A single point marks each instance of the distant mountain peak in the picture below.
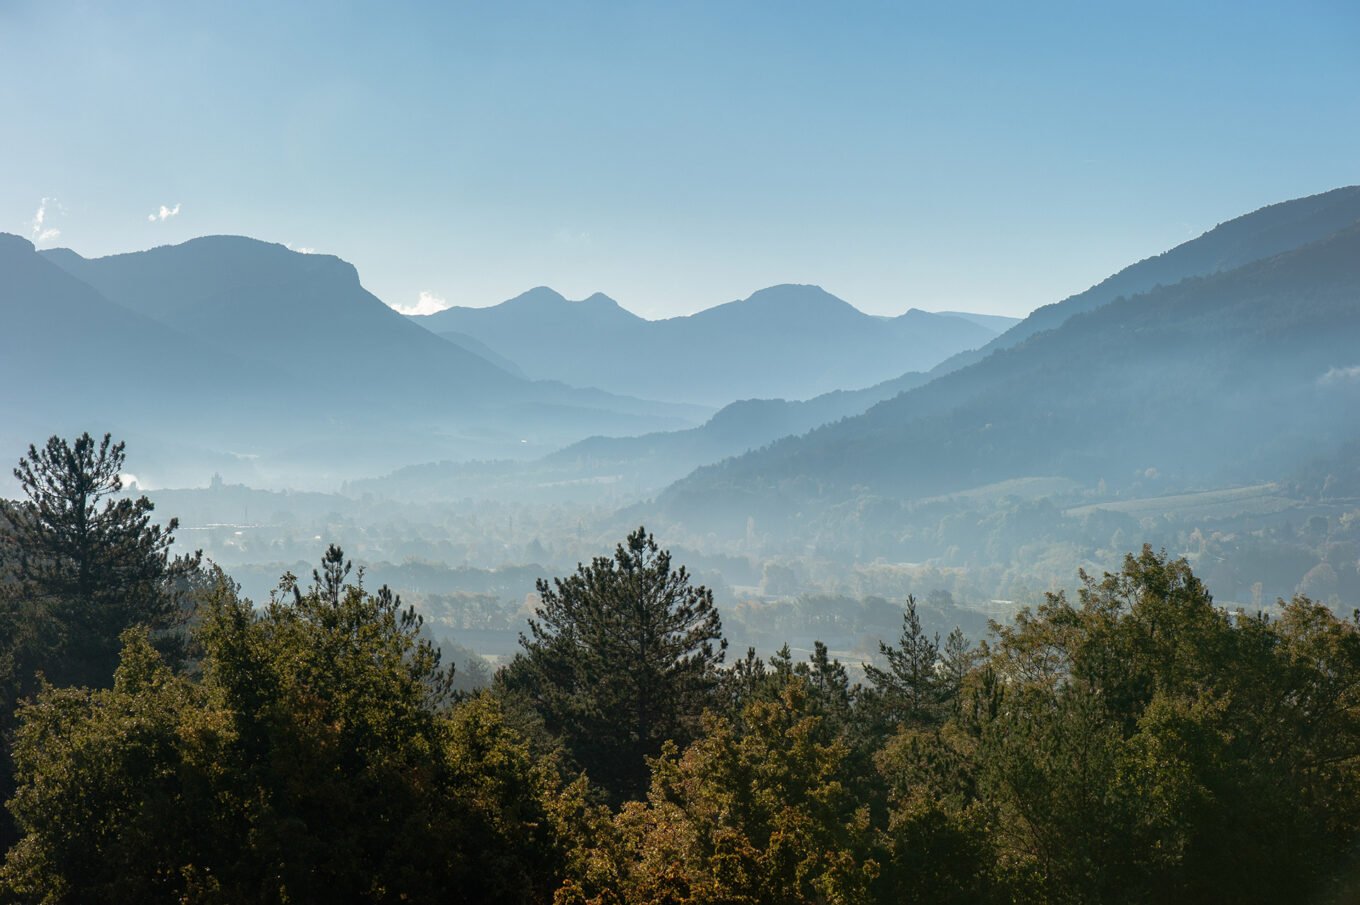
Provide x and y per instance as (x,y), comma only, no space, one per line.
(13,244)
(539,295)
(800,298)
(600,300)
(235,260)
(784,292)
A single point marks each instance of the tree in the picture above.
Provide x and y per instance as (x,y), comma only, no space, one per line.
(760,812)
(911,690)
(91,563)
(621,657)
(314,758)
(1146,745)
(77,567)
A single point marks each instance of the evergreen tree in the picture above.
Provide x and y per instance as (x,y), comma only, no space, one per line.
(911,689)
(77,567)
(313,759)
(94,564)
(620,658)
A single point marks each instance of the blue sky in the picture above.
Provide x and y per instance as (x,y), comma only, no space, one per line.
(991,157)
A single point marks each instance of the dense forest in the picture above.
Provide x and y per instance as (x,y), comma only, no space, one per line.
(167,740)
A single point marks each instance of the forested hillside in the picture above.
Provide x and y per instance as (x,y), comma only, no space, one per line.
(1272,230)
(1232,378)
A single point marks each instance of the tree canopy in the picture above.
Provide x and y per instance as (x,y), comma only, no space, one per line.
(1133,743)
(621,657)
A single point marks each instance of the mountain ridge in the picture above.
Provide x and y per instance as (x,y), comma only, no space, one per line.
(1235,359)
(789,341)
(1268,230)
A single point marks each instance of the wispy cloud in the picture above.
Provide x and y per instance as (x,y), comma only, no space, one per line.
(574,238)
(427,303)
(40,230)
(300,249)
(1340,375)
(165,213)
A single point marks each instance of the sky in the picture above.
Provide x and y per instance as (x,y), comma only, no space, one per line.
(676,155)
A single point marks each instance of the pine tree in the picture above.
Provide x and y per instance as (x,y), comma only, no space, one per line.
(621,657)
(92,563)
(909,690)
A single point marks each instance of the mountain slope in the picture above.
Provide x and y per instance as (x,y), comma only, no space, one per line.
(341,384)
(621,470)
(998,323)
(782,342)
(482,350)
(73,360)
(309,315)
(303,313)
(1261,234)
(1234,376)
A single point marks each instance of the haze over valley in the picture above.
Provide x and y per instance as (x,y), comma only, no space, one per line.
(1220,370)
(634,454)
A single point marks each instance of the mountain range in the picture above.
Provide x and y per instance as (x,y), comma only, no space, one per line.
(786,341)
(1017,409)
(1235,374)
(265,364)
(229,354)
(1251,237)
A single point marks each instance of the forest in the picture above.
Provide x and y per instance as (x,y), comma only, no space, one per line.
(165,739)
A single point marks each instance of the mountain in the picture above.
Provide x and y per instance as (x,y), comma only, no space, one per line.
(997,323)
(1269,231)
(340,383)
(482,350)
(1234,377)
(302,313)
(621,470)
(784,342)
(73,360)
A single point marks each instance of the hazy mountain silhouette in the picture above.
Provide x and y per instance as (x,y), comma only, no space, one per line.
(72,360)
(1237,376)
(338,380)
(482,350)
(998,323)
(1260,234)
(786,341)
(623,469)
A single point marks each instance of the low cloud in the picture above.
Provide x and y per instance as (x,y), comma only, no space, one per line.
(427,303)
(300,249)
(165,213)
(39,229)
(1336,376)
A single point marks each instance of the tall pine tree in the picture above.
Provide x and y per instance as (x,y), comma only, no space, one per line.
(88,562)
(621,656)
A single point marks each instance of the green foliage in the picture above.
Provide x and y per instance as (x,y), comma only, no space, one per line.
(1136,744)
(911,690)
(753,815)
(94,563)
(78,567)
(313,760)
(621,658)
(1147,746)
(938,836)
